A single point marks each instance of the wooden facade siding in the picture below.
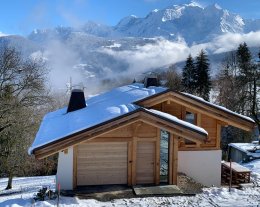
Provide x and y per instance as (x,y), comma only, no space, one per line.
(75,166)
(210,125)
(172,108)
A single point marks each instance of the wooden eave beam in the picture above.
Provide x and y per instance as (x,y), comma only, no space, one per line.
(195,105)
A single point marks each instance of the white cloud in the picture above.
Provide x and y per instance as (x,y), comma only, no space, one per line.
(164,52)
(231,41)
(3,34)
(141,58)
(62,60)
(150,56)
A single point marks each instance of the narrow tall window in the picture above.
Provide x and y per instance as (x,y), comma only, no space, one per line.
(164,156)
(191,118)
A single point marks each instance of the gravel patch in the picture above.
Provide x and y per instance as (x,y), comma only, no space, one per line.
(188,185)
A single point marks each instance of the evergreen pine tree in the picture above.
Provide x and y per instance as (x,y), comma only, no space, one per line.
(189,76)
(244,58)
(249,76)
(203,83)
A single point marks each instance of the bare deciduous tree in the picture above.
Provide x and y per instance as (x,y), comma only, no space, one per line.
(22,90)
(172,78)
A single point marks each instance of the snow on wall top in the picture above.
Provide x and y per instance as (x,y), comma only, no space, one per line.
(219,107)
(58,124)
(247,148)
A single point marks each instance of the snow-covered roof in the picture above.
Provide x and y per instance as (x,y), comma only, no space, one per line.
(58,124)
(251,149)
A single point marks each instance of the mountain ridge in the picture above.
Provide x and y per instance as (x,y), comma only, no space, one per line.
(136,45)
(190,21)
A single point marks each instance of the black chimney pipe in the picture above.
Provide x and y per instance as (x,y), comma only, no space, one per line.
(150,81)
(77,100)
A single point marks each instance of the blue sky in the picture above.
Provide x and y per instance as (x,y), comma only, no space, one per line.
(22,16)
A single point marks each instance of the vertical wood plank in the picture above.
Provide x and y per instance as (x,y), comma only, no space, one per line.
(218,136)
(75,153)
(145,162)
(129,160)
(183,112)
(170,161)
(157,157)
(175,161)
(163,107)
(134,151)
(198,121)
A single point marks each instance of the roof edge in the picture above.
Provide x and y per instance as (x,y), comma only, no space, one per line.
(82,131)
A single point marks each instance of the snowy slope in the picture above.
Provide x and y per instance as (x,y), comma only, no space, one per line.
(27,187)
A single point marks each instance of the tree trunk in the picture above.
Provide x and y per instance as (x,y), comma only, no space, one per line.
(10,181)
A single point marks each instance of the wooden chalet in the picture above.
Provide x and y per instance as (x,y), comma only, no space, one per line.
(125,147)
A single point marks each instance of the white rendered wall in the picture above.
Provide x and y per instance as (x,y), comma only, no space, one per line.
(64,175)
(203,166)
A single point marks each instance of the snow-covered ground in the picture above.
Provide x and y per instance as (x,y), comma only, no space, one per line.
(25,188)
(254,166)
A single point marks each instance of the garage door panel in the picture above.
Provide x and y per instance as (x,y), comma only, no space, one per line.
(101,152)
(103,159)
(102,163)
(104,167)
(102,178)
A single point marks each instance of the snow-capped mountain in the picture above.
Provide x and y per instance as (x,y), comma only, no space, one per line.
(192,22)
(138,44)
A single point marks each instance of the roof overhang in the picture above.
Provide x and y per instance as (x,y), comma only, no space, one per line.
(138,115)
(204,107)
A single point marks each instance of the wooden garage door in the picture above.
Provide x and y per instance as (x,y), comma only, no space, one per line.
(145,162)
(102,163)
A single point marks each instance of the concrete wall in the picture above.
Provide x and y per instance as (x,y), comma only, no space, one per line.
(64,174)
(203,166)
